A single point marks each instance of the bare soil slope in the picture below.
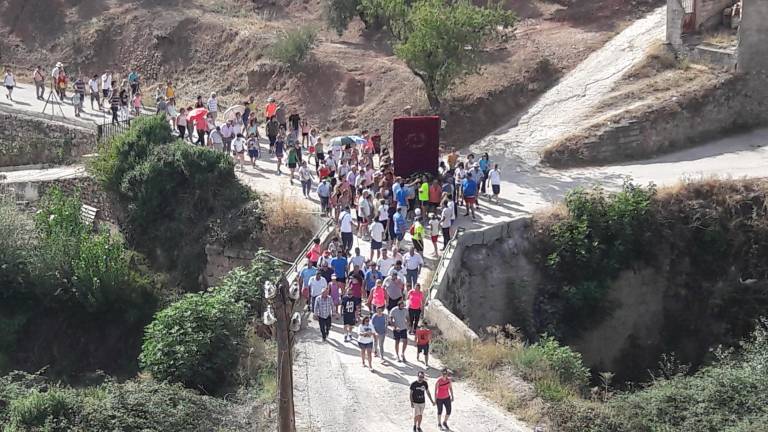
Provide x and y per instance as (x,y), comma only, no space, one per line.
(353,81)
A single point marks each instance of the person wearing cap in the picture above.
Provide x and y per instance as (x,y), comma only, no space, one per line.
(417,233)
(213,106)
(444,396)
(417,390)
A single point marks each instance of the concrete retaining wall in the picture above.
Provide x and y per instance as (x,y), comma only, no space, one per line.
(753,36)
(733,104)
(709,13)
(30,140)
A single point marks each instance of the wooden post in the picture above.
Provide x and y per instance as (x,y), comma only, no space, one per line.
(283,306)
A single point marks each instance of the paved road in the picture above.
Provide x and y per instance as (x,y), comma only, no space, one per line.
(24,99)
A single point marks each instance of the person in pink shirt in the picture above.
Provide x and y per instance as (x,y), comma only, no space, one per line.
(335,289)
(415,306)
(314,253)
(378,297)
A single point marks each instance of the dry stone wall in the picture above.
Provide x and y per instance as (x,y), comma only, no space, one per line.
(29,140)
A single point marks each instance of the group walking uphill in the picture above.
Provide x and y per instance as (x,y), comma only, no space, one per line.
(366,279)
(123,101)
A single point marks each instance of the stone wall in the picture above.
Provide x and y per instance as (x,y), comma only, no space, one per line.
(675,15)
(709,13)
(753,36)
(733,104)
(31,140)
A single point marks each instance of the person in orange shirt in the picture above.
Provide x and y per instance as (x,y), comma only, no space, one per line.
(423,336)
(271,109)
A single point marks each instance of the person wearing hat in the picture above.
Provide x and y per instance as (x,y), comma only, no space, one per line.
(213,106)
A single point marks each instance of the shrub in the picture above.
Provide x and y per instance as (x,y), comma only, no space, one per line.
(293,47)
(565,362)
(51,410)
(339,13)
(125,151)
(246,284)
(195,341)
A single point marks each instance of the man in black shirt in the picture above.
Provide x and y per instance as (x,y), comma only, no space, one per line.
(294,120)
(348,313)
(418,388)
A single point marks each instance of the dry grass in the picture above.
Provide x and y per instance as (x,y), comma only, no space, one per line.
(287,215)
(658,58)
(721,38)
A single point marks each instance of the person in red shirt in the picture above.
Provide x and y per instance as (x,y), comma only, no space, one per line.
(423,336)
(444,396)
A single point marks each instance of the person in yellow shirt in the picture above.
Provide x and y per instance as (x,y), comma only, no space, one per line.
(424,195)
(417,234)
(170,92)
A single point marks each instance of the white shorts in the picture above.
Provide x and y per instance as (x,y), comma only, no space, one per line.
(418,409)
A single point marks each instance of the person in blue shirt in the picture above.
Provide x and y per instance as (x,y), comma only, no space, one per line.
(306,274)
(400,225)
(469,190)
(401,195)
(485,168)
(371,276)
(339,266)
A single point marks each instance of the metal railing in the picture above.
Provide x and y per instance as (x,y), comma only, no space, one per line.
(445,259)
(325,230)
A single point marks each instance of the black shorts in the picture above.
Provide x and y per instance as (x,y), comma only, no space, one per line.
(444,403)
(496,189)
(400,334)
(320,156)
(349,318)
(422,349)
(368,345)
(392,303)
(291,165)
(9,87)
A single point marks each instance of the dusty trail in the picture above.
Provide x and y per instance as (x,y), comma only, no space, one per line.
(566,104)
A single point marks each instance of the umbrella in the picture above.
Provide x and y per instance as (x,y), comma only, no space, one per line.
(345,141)
(229,114)
(197,114)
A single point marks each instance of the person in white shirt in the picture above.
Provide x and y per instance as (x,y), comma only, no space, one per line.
(228,134)
(357,260)
(384,216)
(446,219)
(365,340)
(495,177)
(305,177)
(9,82)
(317,284)
(363,213)
(238,150)
(213,106)
(412,262)
(345,227)
(377,238)
(434,230)
(385,263)
(106,85)
(93,88)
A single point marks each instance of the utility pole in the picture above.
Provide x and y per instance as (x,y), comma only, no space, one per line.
(282,300)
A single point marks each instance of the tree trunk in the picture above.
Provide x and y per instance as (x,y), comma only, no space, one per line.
(283,310)
(434,101)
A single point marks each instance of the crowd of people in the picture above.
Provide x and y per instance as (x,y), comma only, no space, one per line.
(372,295)
(105,95)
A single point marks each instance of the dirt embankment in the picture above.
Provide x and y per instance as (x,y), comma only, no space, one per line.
(353,81)
(699,284)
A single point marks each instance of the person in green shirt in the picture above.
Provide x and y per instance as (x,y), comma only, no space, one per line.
(293,160)
(424,195)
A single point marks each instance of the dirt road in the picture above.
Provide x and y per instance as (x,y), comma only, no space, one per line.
(566,104)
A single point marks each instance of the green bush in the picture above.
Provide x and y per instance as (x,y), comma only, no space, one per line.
(565,362)
(28,403)
(339,13)
(195,341)
(729,395)
(293,47)
(125,151)
(246,284)
(601,235)
(52,410)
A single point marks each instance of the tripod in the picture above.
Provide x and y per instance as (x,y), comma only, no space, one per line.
(53,100)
